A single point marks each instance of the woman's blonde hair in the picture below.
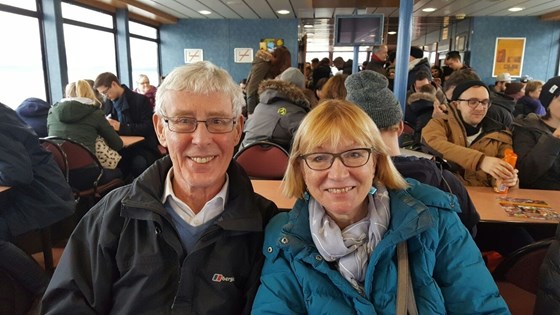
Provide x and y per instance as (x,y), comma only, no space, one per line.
(82,88)
(330,122)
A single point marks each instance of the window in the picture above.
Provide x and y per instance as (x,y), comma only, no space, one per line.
(144,52)
(89,41)
(21,64)
(22,4)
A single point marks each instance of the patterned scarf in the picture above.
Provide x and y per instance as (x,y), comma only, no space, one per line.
(351,247)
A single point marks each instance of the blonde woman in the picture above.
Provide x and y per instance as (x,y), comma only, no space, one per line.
(79,117)
(336,251)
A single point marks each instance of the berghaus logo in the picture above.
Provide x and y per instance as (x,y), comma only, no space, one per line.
(221,278)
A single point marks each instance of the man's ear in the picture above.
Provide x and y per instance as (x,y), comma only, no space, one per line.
(159,127)
(400,128)
(239,126)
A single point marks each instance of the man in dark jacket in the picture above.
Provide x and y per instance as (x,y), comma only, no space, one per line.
(130,114)
(369,90)
(186,236)
(33,194)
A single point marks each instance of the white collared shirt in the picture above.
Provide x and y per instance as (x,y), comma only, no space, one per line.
(211,209)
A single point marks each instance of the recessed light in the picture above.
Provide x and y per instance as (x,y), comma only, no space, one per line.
(283,12)
(515,9)
(429,9)
(391,32)
(308,26)
(205,12)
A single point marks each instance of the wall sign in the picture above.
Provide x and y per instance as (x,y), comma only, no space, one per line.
(193,55)
(508,56)
(243,55)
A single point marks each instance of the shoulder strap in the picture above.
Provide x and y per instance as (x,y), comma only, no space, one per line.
(405,294)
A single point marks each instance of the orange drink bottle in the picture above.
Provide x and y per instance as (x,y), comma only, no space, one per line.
(511,158)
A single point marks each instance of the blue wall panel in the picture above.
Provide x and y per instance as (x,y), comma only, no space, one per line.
(541,45)
(218,38)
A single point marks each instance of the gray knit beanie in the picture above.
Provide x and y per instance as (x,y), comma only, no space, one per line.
(368,89)
(294,76)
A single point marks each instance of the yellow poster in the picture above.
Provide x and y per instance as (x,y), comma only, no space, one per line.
(508,56)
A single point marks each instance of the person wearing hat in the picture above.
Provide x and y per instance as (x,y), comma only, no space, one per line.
(417,63)
(370,91)
(536,140)
(282,106)
(501,80)
(471,140)
(34,111)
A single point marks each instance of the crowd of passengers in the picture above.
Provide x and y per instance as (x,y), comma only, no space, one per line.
(188,233)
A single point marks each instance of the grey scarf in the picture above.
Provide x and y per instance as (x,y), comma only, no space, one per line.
(351,247)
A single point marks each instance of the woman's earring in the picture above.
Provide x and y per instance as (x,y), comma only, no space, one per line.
(306,196)
(372,190)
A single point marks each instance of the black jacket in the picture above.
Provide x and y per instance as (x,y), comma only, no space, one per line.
(125,256)
(430,173)
(136,119)
(40,195)
(538,153)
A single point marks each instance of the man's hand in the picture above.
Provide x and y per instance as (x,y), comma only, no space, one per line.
(498,168)
(114,123)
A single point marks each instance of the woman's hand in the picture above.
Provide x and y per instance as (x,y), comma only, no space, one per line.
(498,168)
(512,181)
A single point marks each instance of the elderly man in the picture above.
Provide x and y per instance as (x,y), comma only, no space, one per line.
(185,237)
(378,59)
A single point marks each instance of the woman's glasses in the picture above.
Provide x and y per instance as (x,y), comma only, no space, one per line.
(324,160)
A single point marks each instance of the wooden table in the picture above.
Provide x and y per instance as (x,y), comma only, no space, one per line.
(271,189)
(486,202)
(3,188)
(130,140)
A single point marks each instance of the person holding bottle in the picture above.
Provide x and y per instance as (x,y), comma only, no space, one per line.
(470,140)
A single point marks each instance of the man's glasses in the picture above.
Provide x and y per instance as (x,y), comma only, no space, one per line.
(323,160)
(473,102)
(189,124)
(104,93)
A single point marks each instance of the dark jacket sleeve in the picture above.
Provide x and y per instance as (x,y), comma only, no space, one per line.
(15,164)
(82,280)
(106,131)
(536,153)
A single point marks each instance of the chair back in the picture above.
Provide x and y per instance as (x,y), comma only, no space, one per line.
(521,268)
(58,155)
(263,160)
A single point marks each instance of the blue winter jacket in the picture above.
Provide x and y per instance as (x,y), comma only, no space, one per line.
(448,273)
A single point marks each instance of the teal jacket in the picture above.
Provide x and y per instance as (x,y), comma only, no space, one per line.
(448,273)
(73,118)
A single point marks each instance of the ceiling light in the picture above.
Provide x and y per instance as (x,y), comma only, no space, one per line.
(308,26)
(391,32)
(205,12)
(515,9)
(283,12)
(429,10)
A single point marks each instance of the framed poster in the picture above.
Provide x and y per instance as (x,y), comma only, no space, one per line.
(243,55)
(460,42)
(193,55)
(508,56)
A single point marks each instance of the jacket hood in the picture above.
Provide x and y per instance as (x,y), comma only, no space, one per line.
(531,121)
(33,107)
(416,96)
(271,91)
(71,110)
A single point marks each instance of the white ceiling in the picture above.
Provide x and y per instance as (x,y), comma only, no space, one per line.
(266,9)
(320,13)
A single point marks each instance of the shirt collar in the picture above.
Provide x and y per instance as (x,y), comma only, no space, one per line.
(211,209)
